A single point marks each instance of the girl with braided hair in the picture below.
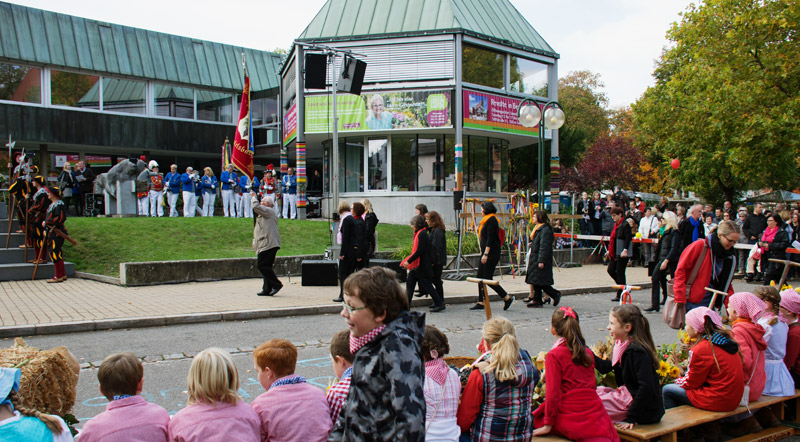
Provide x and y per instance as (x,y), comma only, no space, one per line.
(20,424)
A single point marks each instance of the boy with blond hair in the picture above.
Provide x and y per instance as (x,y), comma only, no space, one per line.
(291,410)
(128,417)
(342,361)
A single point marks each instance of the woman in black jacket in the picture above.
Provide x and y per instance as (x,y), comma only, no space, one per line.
(489,234)
(668,250)
(371,221)
(351,254)
(540,262)
(420,267)
(436,231)
(619,249)
(775,249)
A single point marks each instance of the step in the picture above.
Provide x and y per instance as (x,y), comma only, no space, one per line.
(4,225)
(13,255)
(21,272)
(17,239)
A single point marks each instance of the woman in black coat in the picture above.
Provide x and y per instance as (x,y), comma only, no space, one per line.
(436,232)
(371,221)
(775,250)
(490,245)
(351,255)
(668,251)
(540,262)
(420,266)
(620,246)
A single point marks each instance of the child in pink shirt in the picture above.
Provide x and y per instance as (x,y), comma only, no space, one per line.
(291,410)
(215,413)
(342,361)
(128,417)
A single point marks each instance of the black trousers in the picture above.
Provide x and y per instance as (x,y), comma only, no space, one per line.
(538,289)
(616,269)
(266,259)
(659,280)
(486,271)
(425,287)
(438,284)
(773,272)
(347,266)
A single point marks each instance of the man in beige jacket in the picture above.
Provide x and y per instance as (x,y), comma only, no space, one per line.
(266,242)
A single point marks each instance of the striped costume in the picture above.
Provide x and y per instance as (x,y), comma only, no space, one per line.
(56,215)
(36,214)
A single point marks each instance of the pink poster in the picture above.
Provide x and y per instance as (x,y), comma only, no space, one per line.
(493,112)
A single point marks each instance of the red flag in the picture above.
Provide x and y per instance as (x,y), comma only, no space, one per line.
(243,151)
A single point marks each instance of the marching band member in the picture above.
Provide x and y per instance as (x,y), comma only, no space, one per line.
(268,183)
(156,192)
(173,180)
(54,223)
(244,206)
(37,210)
(189,180)
(289,191)
(229,179)
(209,191)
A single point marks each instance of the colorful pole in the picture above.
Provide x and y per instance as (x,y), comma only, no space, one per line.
(300,150)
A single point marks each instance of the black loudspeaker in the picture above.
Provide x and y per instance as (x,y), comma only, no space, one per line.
(458,196)
(320,273)
(352,77)
(316,68)
(390,264)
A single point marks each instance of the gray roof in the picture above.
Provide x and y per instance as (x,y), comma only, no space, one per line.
(48,38)
(494,20)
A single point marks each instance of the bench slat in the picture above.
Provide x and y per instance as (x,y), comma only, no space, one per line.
(767,434)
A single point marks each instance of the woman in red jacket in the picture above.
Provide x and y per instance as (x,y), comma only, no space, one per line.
(714,380)
(718,254)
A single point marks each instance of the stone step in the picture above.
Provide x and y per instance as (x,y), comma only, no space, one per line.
(4,225)
(17,239)
(14,255)
(21,272)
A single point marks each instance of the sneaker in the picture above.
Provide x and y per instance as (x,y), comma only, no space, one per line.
(557,299)
(477,307)
(275,290)
(507,302)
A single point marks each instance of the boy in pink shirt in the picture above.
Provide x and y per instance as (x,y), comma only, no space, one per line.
(343,368)
(128,417)
(291,410)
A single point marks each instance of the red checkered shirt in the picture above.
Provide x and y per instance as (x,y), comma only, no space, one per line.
(337,394)
(357,343)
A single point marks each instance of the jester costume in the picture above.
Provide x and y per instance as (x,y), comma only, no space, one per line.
(37,210)
(56,215)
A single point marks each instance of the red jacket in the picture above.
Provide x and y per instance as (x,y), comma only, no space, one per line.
(684,271)
(792,358)
(710,387)
(750,338)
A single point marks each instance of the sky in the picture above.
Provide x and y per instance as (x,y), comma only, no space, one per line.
(618,39)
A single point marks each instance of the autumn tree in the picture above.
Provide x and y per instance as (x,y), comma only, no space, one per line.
(726,100)
(611,161)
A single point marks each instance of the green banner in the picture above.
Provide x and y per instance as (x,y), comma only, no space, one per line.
(379,111)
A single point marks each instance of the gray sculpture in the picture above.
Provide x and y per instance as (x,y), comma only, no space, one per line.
(118,186)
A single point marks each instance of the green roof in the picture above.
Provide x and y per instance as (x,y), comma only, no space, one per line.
(59,40)
(495,20)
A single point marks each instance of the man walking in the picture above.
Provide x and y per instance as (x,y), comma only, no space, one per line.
(289,184)
(266,242)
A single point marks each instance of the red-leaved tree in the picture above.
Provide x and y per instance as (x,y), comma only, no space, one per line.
(611,161)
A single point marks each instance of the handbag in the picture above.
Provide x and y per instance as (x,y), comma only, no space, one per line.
(745,401)
(674,314)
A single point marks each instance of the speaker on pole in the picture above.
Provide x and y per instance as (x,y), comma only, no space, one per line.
(458,195)
(316,68)
(352,77)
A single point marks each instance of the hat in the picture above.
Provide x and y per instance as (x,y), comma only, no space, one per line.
(747,305)
(9,381)
(39,179)
(152,164)
(790,300)
(54,190)
(696,318)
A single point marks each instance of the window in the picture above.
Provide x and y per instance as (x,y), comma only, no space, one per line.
(482,66)
(477,165)
(123,95)
(378,157)
(404,163)
(431,163)
(174,101)
(449,167)
(498,181)
(528,77)
(264,108)
(20,83)
(74,90)
(214,106)
(351,169)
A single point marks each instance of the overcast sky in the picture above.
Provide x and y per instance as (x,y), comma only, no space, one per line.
(618,39)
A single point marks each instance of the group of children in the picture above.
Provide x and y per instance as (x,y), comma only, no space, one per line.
(395,384)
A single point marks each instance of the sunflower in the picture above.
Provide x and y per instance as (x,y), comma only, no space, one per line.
(663,369)
(675,372)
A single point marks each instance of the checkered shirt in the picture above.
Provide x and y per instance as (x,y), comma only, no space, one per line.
(337,394)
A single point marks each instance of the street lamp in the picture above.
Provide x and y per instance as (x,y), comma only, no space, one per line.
(530,114)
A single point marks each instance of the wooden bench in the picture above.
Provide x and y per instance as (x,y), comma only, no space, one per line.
(686,416)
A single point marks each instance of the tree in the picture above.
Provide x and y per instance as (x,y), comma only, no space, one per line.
(611,161)
(726,100)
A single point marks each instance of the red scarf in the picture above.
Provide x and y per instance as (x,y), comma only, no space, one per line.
(612,241)
(437,370)
(415,263)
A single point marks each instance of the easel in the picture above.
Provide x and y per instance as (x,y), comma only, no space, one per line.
(486,283)
(600,249)
(716,293)
(786,265)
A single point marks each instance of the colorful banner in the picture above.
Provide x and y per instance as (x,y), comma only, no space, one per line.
(495,113)
(91,160)
(243,150)
(300,151)
(290,125)
(379,111)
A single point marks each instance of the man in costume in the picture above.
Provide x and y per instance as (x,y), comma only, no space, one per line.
(156,192)
(53,225)
(228,179)
(289,185)
(173,180)
(37,211)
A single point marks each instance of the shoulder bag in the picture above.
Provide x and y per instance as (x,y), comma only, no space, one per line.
(674,314)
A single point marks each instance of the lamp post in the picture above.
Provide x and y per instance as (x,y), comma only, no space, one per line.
(549,116)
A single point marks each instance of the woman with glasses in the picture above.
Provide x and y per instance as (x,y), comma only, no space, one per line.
(668,251)
(716,269)
(773,242)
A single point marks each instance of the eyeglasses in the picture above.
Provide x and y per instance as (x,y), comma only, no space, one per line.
(351,309)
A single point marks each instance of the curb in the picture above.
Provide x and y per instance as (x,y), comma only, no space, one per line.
(237,315)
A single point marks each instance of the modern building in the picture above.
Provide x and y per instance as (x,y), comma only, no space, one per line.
(443,82)
(74,88)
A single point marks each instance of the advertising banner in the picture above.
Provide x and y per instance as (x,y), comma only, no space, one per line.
(379,111)
(91,160)
(494,112)
(290,125)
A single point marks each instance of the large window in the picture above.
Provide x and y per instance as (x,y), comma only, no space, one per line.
(477,165)
(214,106)
(351,160)
(264,108)
(174,101)
(124,95)
(404,163)
(377,161)
(431,163)
(498,181)
(528,77)
(20,83)
(482,66)
(74,90)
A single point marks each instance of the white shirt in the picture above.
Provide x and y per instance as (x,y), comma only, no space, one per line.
(646,226)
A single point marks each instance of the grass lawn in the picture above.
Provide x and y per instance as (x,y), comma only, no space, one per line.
(103,243)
